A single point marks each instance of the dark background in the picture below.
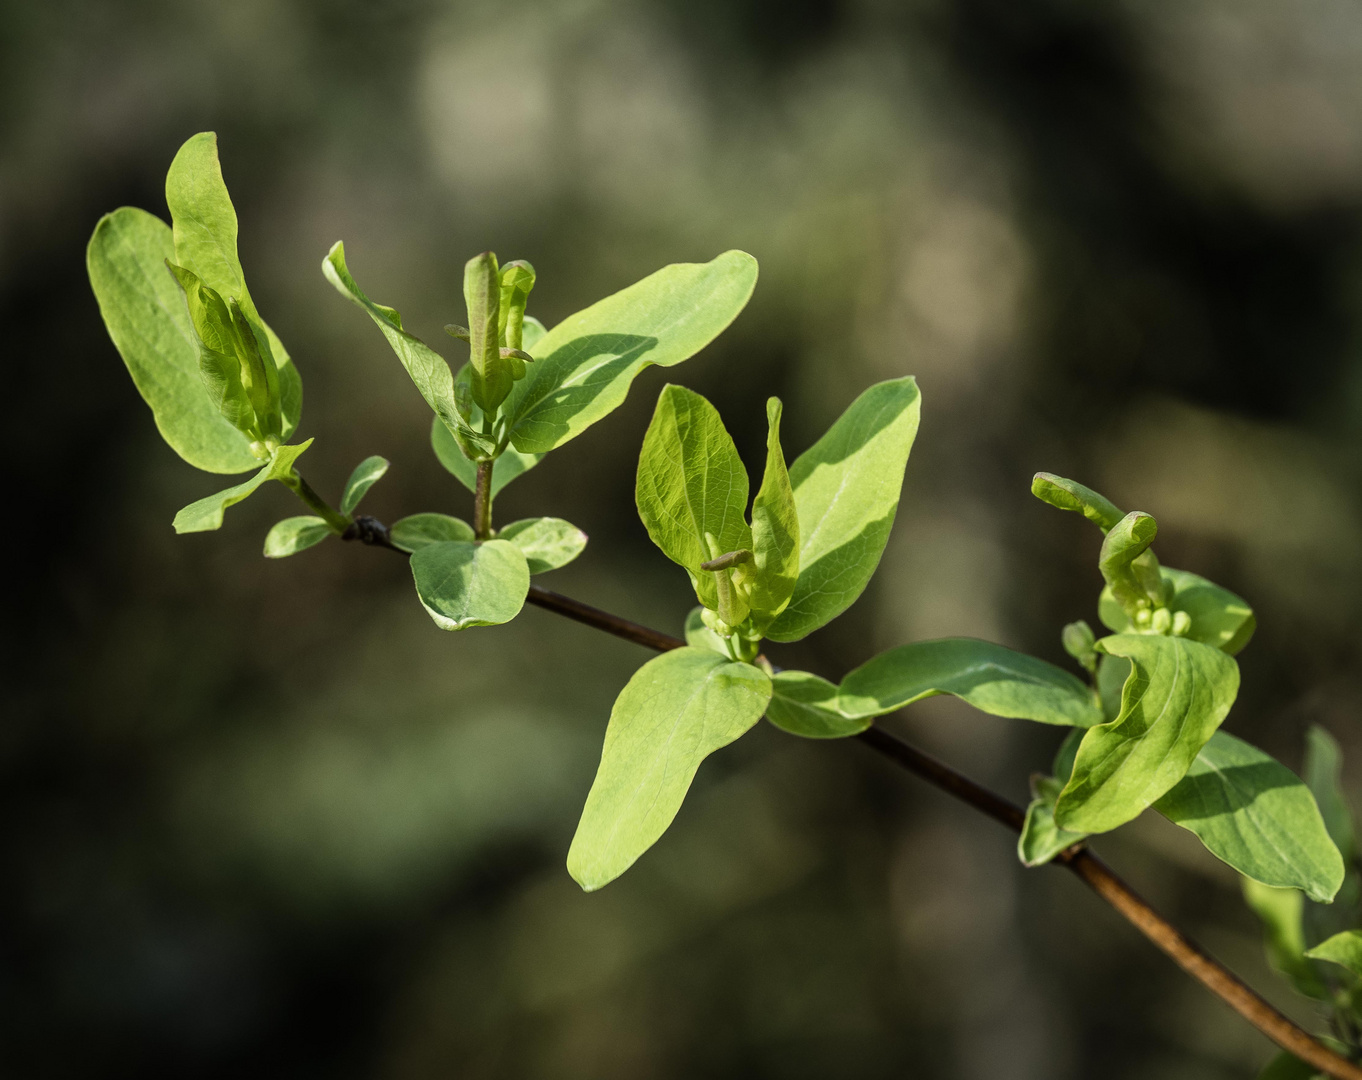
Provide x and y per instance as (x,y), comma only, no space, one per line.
(263,819)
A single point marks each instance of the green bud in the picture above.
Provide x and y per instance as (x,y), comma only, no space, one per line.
(1078,642)
(1182,622)
(1162,621)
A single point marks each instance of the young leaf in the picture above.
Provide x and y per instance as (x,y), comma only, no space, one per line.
(1041,839)
(1324,777)
(700,636)
(691,491)
(1280,911)
(220,366)
(1071,495)
(1253,813)
(1344,949)
(505,469)
(775,530)
(846,491)
(206,514)
(676,710)
(426,367)
(1126,541)
(367,473)
(462,584)
(547,543)
(1175,697)
(990,677)
(144,311)
(1218,617)
(295,534)
(583,366)
(516,280)
(807,705)
(418,530)
(491,375)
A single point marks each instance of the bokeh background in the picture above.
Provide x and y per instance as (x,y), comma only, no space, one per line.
(262,818)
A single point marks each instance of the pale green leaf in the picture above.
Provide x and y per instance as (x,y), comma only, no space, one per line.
(367,473)
(516,280)
(1218,617)
(206,514)
(1281,911)
(692,490)
(1344,949)
(583,366)
(1324,777)
(699,635)
(295,534)
(505,469)
(846,490)
(1041,839)
(464,584)
(990,677)
(807,705)
(144,311)
(775,530)
(547,543)
(676,710)
(1255,814)
(418,530)
(1071,495)
(1175,697)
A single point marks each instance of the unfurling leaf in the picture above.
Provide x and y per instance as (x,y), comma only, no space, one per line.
(1344,949)
(1175,697)
(418,530)
(1255,814)
(583,366)
(464,584)
(206,514)
(516,279)
(491,377)
(676,710)
(807,705)
(505,469)
(295,534)
(1041,839)
(1216,617)
(691,492)
(990,677)
(775,530)
(367,473)
(547,543)
(846,492)
(1281,911)
(1071,495)
(1126,541)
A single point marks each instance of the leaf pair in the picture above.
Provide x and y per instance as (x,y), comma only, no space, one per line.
(295,534)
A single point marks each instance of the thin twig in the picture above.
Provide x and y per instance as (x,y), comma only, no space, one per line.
(1099,877)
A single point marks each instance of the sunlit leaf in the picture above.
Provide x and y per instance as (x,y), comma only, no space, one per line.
(367,473)
(1219,618)
(1071,495)
(676,710)
(775,530)
(547,543)
(295,534)
(846,490)
(1175,697)
(463,584)
(206,514)
(418,530)
(807,705)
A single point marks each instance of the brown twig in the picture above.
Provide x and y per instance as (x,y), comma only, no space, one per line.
(1099,877)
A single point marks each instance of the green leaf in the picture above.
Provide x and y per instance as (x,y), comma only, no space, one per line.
(700,636)
(463,584)
(418,530)
(206,514)
(491,375)
(1289,1067)
(547,543)
(516,280)
(676,710)
(583,366)
(846,490)
(990,677)
(1041,839)
(426,367)
(1324,778)
(219,352)
(1280,911)
(505,469)
(807,705)
(367,473)
(144,311)
(1126,542)
(691,492)
(1218,617)
(295,534)
(1255,814)
(1071,495)
(1175,697)
(1344,949)
(775,530)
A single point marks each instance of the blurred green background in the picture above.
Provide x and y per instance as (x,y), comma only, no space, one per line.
(264,819)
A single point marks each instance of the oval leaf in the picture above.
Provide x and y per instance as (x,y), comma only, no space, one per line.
(295,534)
(583,366)
(675,711)
(464,584)
(206,514)
(846,491)
(367,473)
(807,705)
(547,543)
(1175,697)
(990,677)
(1255,814)
(418,530)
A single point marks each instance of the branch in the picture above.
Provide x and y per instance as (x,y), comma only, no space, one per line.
(1096,874)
